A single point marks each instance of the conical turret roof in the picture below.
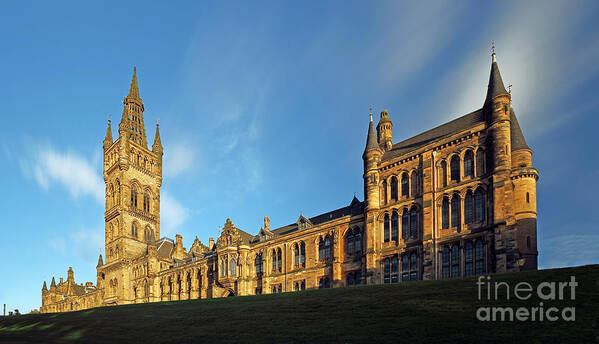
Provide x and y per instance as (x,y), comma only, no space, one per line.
(371,141)
(496,87)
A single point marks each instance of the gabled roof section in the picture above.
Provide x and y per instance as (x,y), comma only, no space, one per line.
(303,223)
(165,247)
(467,121)
(518,141)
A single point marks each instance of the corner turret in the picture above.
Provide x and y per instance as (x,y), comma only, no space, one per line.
(371,156)
(385,131)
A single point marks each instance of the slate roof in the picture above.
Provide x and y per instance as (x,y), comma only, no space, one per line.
(435,134)
(496,86)
(518,141)
(371,141)
(165,247)
(355,208)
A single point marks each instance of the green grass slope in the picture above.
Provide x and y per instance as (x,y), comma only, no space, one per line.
(425,311)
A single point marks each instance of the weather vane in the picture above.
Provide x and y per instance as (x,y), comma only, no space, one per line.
(493,47)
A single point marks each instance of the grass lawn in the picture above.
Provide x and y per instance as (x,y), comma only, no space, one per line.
(424,311)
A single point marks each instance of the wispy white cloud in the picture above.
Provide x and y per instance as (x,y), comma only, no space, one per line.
(85,244)
(539,53)
(58,244)
(178,158)
(71,171)
(413,34)
(172,214)
(570,250)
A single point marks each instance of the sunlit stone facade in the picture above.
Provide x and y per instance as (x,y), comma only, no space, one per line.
(457,200)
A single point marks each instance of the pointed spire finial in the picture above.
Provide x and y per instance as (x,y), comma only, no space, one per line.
(493,56)
(108,138)
(133,89)
(495,86)
(157,146)
(371,113)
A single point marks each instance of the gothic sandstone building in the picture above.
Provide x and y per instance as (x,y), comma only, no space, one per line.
(457,200)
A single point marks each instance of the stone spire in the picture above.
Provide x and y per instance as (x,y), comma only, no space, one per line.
(100,262)
(53,283)
(496,87)
(133,89)
(132,120)
(108,139)
(44,287)
(157,146)
(371,141)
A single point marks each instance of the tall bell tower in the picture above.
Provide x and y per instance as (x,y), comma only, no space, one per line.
(133,177)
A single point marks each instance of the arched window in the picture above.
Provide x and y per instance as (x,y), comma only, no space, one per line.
(280,289)
(387,270)
(296,255)
(443,174)
(226,265)
(384,192)
(386,229)
(303,285)
(394,188)
(303,254)
(414,183)
(468,208)
(133,197)
(479,258)
(279,260)
(134,230)
(394,269)
(112,196)
(258,263)
(405,224)
(405,191)
(327,247)
(469,164)
(394,226)
(479,207)
(445,213)
(296,286)
(413,267)
(455,211)
(357,241)
(349,241)
(455,261)
(148,234)
(445,258)
(232,267)
(146,202)
(274,260)
(321,249)
(527,197)
(468,259)
(413,223)
(480,162)
(455,168)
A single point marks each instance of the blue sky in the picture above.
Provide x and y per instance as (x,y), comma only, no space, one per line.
(263,111)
